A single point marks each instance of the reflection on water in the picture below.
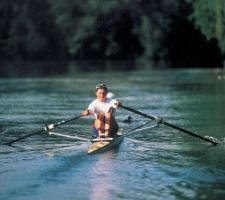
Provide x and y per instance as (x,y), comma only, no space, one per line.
(151,164)
(101,177)
(59,68)
(32,69)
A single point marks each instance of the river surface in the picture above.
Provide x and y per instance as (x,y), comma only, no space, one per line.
(162,163)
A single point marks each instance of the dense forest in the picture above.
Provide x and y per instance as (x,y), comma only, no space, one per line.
(180,33)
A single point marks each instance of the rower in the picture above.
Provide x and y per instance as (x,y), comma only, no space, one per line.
(103,109)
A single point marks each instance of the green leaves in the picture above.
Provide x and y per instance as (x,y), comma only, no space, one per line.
(119,29)
(209,17)
(102,29)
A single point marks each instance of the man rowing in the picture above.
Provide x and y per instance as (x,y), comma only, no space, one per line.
(103,109)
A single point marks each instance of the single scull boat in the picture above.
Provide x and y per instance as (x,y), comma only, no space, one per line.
(104,144)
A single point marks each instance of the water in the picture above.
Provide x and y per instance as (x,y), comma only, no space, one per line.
(152,164)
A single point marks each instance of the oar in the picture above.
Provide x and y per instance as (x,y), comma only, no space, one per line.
(160,120)
(46,128)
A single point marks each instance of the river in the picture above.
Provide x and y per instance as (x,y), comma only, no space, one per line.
(162,163)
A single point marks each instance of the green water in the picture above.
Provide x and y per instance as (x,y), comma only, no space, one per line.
(151,164)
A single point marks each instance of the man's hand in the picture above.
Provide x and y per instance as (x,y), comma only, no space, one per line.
(117,104)
(85,112)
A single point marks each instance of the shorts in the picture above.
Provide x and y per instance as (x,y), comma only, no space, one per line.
(94,131)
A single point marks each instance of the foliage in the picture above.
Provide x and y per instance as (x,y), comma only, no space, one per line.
(27,30)
(120,29)
(91,29)
(209,17)
(101,29)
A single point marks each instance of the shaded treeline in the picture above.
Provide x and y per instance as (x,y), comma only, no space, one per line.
(181,33)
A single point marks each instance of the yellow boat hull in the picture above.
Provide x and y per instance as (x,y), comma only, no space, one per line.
(104,144)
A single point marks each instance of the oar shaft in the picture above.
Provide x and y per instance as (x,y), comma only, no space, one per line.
(189,132)
(137,112)
(44,129)
(65,121)
(23,137)
(167,124)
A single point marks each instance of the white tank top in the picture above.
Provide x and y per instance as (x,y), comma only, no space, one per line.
(97,106)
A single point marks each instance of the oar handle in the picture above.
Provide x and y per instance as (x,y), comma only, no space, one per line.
(167,124)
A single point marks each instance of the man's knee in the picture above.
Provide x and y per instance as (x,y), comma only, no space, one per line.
(101,116)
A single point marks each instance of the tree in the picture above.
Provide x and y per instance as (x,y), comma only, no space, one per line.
(116,29)
(209,18)
(28,31)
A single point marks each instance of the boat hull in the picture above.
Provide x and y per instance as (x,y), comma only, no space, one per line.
(100,145)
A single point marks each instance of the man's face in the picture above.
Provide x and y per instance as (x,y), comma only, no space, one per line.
(101,94)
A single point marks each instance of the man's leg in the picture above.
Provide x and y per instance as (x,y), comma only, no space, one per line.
(111,126)
(100,124)
(107,123)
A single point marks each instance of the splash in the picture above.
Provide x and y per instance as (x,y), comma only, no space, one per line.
(214,139)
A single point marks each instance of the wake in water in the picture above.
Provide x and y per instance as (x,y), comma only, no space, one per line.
(215,139)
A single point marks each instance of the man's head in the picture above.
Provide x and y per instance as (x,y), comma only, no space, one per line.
(101,92)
